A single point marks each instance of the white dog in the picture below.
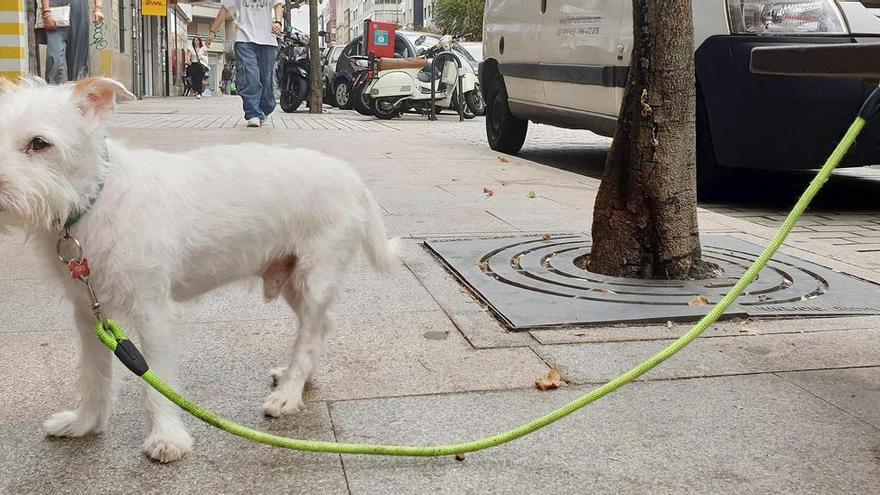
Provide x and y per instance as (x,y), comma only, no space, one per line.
(161,228)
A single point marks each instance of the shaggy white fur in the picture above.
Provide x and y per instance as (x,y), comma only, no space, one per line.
(169,227)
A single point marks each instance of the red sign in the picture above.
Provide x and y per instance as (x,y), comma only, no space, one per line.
(380,38)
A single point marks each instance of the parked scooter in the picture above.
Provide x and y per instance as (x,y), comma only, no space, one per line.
(292,70)
(437,80)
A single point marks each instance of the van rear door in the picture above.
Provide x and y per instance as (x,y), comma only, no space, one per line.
(581,64)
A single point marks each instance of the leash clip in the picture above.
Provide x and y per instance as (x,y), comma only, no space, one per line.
(70,252)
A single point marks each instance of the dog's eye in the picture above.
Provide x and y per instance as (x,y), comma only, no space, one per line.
(38,144)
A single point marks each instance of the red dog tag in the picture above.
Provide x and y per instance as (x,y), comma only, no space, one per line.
(79,269)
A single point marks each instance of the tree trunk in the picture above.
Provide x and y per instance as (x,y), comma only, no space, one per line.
(645,217)
(316,99)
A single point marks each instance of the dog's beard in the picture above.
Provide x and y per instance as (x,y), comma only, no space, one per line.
(37,201)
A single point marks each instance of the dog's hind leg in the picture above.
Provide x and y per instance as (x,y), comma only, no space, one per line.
(95,385)
(310,293)
(167,438)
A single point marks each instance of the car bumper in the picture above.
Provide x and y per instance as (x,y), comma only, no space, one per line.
(792,121)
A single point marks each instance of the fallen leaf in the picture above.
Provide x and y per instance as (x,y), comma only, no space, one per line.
(699,301)
(552,381)
(459,457)
(484,266)
(669,324)
(532,195)
(547,238)
(503,160)
(488,192)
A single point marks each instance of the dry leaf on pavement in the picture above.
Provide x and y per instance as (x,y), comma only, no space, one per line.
(488,192)
(532,195)
(503,160)
(547,238)
(698,301)
(552,381)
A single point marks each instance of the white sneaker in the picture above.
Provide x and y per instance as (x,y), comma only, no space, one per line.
(254,122)
(198,97)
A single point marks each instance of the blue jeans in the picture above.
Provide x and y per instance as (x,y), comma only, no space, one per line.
(255,65)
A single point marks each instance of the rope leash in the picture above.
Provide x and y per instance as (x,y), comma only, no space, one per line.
(112,335)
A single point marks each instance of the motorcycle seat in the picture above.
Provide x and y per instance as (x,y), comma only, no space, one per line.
(401,63)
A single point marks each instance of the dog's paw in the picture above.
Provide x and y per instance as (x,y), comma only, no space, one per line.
(71,424)
(277,374)
(168,447)
(278,405)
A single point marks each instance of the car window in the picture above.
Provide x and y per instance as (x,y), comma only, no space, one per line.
(464,53)
(401,48)
(354,48)
(334,54)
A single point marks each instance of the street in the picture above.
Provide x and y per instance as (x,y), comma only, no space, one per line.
(767,405)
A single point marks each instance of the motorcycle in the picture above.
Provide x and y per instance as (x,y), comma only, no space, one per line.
(292,70)
(438,79)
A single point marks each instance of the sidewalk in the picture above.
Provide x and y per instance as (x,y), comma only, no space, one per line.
(765,406)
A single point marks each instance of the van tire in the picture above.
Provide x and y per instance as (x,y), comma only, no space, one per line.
(504,132)
(709,174)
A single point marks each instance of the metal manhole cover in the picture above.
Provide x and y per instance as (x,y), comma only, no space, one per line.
(531,282)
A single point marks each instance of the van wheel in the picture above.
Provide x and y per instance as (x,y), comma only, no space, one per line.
(505,132)
(709,173)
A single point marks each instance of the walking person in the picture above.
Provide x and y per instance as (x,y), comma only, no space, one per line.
(198,65)
(259,21)
(67,47)
(226,79)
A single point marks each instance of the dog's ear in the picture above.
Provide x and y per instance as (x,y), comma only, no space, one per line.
(97,96)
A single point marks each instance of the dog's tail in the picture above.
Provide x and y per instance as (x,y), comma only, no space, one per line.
(383,253)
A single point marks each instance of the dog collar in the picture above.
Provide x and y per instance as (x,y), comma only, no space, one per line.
(77,215)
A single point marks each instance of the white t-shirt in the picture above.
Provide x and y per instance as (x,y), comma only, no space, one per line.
(255,18)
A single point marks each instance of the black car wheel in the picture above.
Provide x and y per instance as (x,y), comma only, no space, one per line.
(504,132)
(343,95)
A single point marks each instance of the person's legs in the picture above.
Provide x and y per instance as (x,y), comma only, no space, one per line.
(78,41)
(56,56)
(248,79)
(267,77)
(198,82)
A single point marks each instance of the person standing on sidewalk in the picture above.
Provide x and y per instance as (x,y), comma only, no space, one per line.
(67,47)
(259,21)
(226,79)
(198,64)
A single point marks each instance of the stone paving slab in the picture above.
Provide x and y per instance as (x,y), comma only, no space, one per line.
(719,435)
(220,463)
(856,391)
(596,363)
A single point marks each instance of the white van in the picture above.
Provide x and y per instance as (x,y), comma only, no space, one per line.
(565,63)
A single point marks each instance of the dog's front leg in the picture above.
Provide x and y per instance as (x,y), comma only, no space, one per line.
(95,385)
(167,438)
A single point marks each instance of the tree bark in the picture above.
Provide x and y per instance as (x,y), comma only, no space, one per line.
(645,216)
(316,100)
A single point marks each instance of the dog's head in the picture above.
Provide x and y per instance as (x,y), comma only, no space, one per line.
(53,149)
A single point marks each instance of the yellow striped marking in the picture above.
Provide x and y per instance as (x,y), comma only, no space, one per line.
(11,6)
(11,52)
(12,76)
(11,28)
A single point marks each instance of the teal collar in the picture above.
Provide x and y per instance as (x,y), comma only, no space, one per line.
(77,215)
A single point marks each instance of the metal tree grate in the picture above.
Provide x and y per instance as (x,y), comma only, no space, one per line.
(534,281)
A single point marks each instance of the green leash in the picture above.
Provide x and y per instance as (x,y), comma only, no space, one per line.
(115,339)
